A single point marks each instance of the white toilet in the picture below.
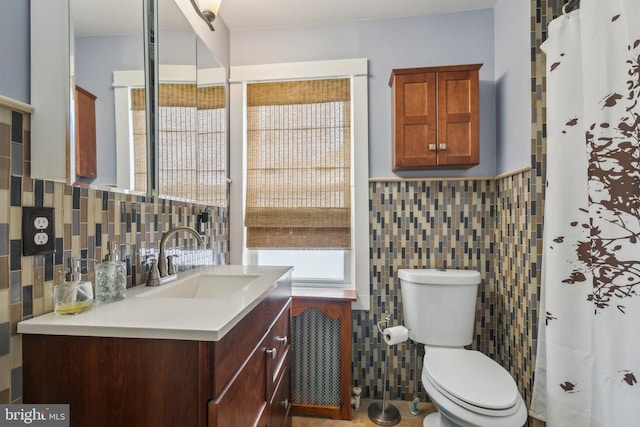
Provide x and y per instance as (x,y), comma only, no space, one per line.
(468,388)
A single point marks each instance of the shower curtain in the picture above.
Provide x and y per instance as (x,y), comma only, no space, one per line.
(588,356)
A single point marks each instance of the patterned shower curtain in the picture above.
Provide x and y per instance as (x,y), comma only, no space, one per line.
(588,357)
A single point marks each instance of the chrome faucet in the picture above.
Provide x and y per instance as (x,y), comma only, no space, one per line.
(163,276)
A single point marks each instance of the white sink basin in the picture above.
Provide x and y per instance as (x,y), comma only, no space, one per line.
(203,286)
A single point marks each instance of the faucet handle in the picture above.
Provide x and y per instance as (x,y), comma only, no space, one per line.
(170,267)
(154,274)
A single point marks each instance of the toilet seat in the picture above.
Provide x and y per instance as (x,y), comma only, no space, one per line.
(471,380)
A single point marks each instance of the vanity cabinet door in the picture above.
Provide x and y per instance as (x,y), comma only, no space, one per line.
(244,401)
(278,348)
(259,393)
(280,404)
(229,354)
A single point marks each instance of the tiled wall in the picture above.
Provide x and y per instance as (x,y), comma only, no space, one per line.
(491,226)
(85,221)
(422,224)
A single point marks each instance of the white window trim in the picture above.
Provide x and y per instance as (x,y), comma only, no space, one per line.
(358,70)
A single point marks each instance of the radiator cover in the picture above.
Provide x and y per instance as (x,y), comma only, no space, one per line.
(316,359)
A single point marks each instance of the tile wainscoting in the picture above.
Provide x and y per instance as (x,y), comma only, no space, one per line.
(86,220)
(482,225)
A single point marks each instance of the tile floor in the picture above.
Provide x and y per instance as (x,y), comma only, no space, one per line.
(361,417)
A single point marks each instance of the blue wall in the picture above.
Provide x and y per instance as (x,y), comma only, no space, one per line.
(14,50)
(458,38)
(513,85)
(96,58)
(493,37)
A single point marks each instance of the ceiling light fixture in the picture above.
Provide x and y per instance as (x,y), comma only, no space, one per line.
(207,9)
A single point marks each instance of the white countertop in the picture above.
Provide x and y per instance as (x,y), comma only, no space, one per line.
(206,319)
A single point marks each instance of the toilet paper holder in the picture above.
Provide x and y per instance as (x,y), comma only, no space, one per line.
(387,319)
(384,413)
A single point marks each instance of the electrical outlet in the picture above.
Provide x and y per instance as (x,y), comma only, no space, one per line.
(40,238)
(38,231)
(41,222)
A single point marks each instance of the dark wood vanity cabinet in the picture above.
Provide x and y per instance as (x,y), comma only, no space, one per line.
(435,117)
(259,394)
(241,380)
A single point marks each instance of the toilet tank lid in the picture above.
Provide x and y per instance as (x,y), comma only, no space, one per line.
(436,276)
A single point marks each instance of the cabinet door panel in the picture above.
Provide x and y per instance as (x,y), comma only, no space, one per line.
(278,339)
(458,118)
(243,401)
(231,351)
(414,120)
(140,382)
(281,402)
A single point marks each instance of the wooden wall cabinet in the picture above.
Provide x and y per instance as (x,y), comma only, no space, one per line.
(241,380)
(435,117)
(86,166)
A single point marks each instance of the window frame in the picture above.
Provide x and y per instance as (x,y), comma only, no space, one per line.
(357,70)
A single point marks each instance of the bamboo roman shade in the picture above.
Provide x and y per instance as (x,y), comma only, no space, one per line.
(191,142)
(139,134)
(299,165)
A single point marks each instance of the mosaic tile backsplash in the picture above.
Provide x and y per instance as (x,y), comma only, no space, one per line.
(86,220)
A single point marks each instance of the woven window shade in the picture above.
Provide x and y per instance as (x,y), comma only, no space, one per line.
(298,165)
(191,142)
(139,132)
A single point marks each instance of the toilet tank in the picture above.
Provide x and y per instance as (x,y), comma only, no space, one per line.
(439,305)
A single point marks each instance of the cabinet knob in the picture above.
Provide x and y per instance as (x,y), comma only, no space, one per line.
(432,147)
(283,340)
(443,146)
(272,352)
(285,404)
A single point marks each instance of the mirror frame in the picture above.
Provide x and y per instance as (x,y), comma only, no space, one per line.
(151,28)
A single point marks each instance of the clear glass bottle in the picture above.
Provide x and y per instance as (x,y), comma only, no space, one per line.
(111,277)
(72,296)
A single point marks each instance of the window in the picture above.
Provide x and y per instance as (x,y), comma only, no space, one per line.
(298,180)
(306,170)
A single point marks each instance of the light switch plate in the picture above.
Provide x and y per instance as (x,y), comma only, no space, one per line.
(38,230)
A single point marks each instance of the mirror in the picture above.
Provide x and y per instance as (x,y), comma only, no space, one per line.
(108,67)
(191,114)
(107,39)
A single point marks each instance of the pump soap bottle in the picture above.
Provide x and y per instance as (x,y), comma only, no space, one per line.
(111,277)
(73,296)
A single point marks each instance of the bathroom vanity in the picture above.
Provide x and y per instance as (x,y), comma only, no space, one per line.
(171,356)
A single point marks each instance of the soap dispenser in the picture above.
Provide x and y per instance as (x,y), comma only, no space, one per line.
(74,295)
(111,277)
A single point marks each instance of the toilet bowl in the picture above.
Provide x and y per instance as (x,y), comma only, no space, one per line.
(468,388)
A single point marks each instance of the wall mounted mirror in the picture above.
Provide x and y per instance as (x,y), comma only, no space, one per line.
(191,115)
(88,86)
